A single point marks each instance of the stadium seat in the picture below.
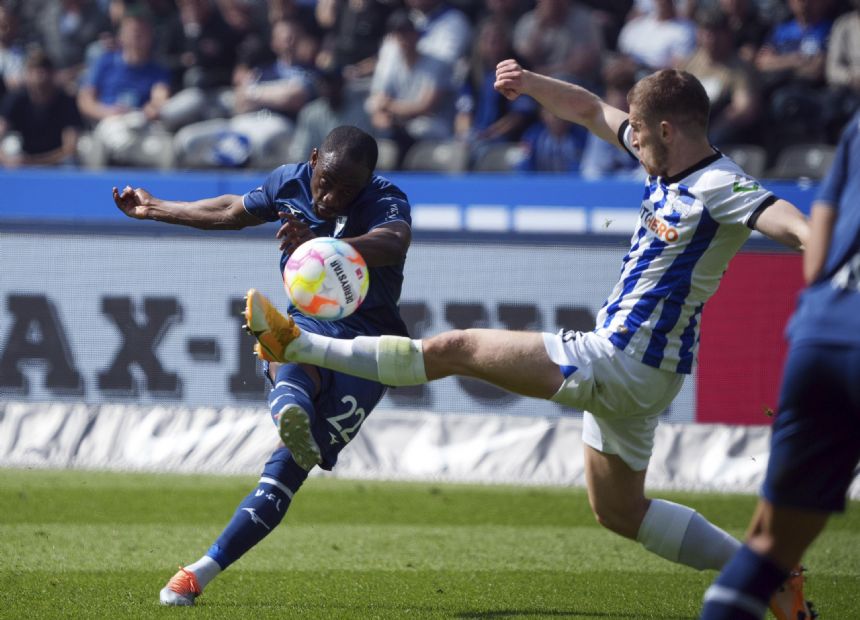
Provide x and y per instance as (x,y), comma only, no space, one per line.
(750,157)
(502,157)
(809,161)
(437,156)
(388,154)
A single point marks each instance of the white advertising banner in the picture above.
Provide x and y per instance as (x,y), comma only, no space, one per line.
(128,319)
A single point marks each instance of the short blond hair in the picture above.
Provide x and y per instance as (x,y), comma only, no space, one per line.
(674,96)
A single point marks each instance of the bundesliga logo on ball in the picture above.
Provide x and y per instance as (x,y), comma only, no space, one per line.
(326,278)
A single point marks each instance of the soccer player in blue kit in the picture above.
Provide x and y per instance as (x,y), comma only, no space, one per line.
(318,411)
(815,445)
(698,209)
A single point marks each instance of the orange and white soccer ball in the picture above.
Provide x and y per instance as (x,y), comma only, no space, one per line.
(326,278)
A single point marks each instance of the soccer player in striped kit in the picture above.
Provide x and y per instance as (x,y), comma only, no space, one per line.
(698,209)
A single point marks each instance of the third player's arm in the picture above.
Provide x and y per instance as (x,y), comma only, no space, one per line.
(565,100)
(385,245)
(783,223)
(821,221)
(225,212)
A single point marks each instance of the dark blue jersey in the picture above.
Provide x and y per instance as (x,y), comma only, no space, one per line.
(829,310)
(288,189)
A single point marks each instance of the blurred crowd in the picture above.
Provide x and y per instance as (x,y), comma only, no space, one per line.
(254,83)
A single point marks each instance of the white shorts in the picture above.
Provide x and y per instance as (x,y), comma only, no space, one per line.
(620,396)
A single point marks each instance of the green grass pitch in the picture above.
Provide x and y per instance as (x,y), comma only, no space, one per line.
(101,545)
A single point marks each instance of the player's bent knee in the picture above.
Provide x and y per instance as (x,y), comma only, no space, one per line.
(618,520)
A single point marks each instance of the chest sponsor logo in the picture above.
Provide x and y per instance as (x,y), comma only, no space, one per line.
(663,231)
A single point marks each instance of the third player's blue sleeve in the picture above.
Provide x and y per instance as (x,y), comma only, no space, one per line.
(831,188)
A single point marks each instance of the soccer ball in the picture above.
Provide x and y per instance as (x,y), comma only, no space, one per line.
(326,278)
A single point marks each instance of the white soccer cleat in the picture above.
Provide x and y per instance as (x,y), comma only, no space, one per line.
(181,590)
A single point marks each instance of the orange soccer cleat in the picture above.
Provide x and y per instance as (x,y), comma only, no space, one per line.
(273,331)
(789,602)
(181,590)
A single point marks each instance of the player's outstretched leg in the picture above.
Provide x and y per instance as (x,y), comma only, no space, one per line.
(258,514)
(390,360)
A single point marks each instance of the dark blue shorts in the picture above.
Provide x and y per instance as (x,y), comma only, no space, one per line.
(815,444)
(343,401)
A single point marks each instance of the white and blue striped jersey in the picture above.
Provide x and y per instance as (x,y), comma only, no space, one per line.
(690,226)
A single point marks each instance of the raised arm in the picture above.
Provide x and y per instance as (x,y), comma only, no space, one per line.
(783,223)
(565,100)
(224,212)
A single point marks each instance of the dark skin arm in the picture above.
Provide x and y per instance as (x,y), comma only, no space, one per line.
(225,212)
(384,245)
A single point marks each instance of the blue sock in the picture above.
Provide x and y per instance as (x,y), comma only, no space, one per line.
(261,511)
(744,588)
(292,385)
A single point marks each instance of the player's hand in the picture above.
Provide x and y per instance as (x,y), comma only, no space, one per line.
(293,232)
(509,79)
(133,202)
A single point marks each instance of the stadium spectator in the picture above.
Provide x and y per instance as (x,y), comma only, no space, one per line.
(600,158)
(294,11)
(307,402)
(163,16)
(484,116)
(747,27)
(553,145)
(264,104)
(200,46)
(729,82)
(201,50)
(319,117)
(45,118)
(11,51)
(122,95)
(815,441)
(66,29)
(444,35)
(610,16)
(791,64)
(354,33)
(628,370)
(248,18)
(506,11)
(843,65)
(659,39)
(287,83)
(684,8)
(410,96)
(560,37)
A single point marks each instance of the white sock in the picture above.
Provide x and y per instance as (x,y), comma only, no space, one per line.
(663,528)
(205,570)
(682,535)
(391,360)
(705,546)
